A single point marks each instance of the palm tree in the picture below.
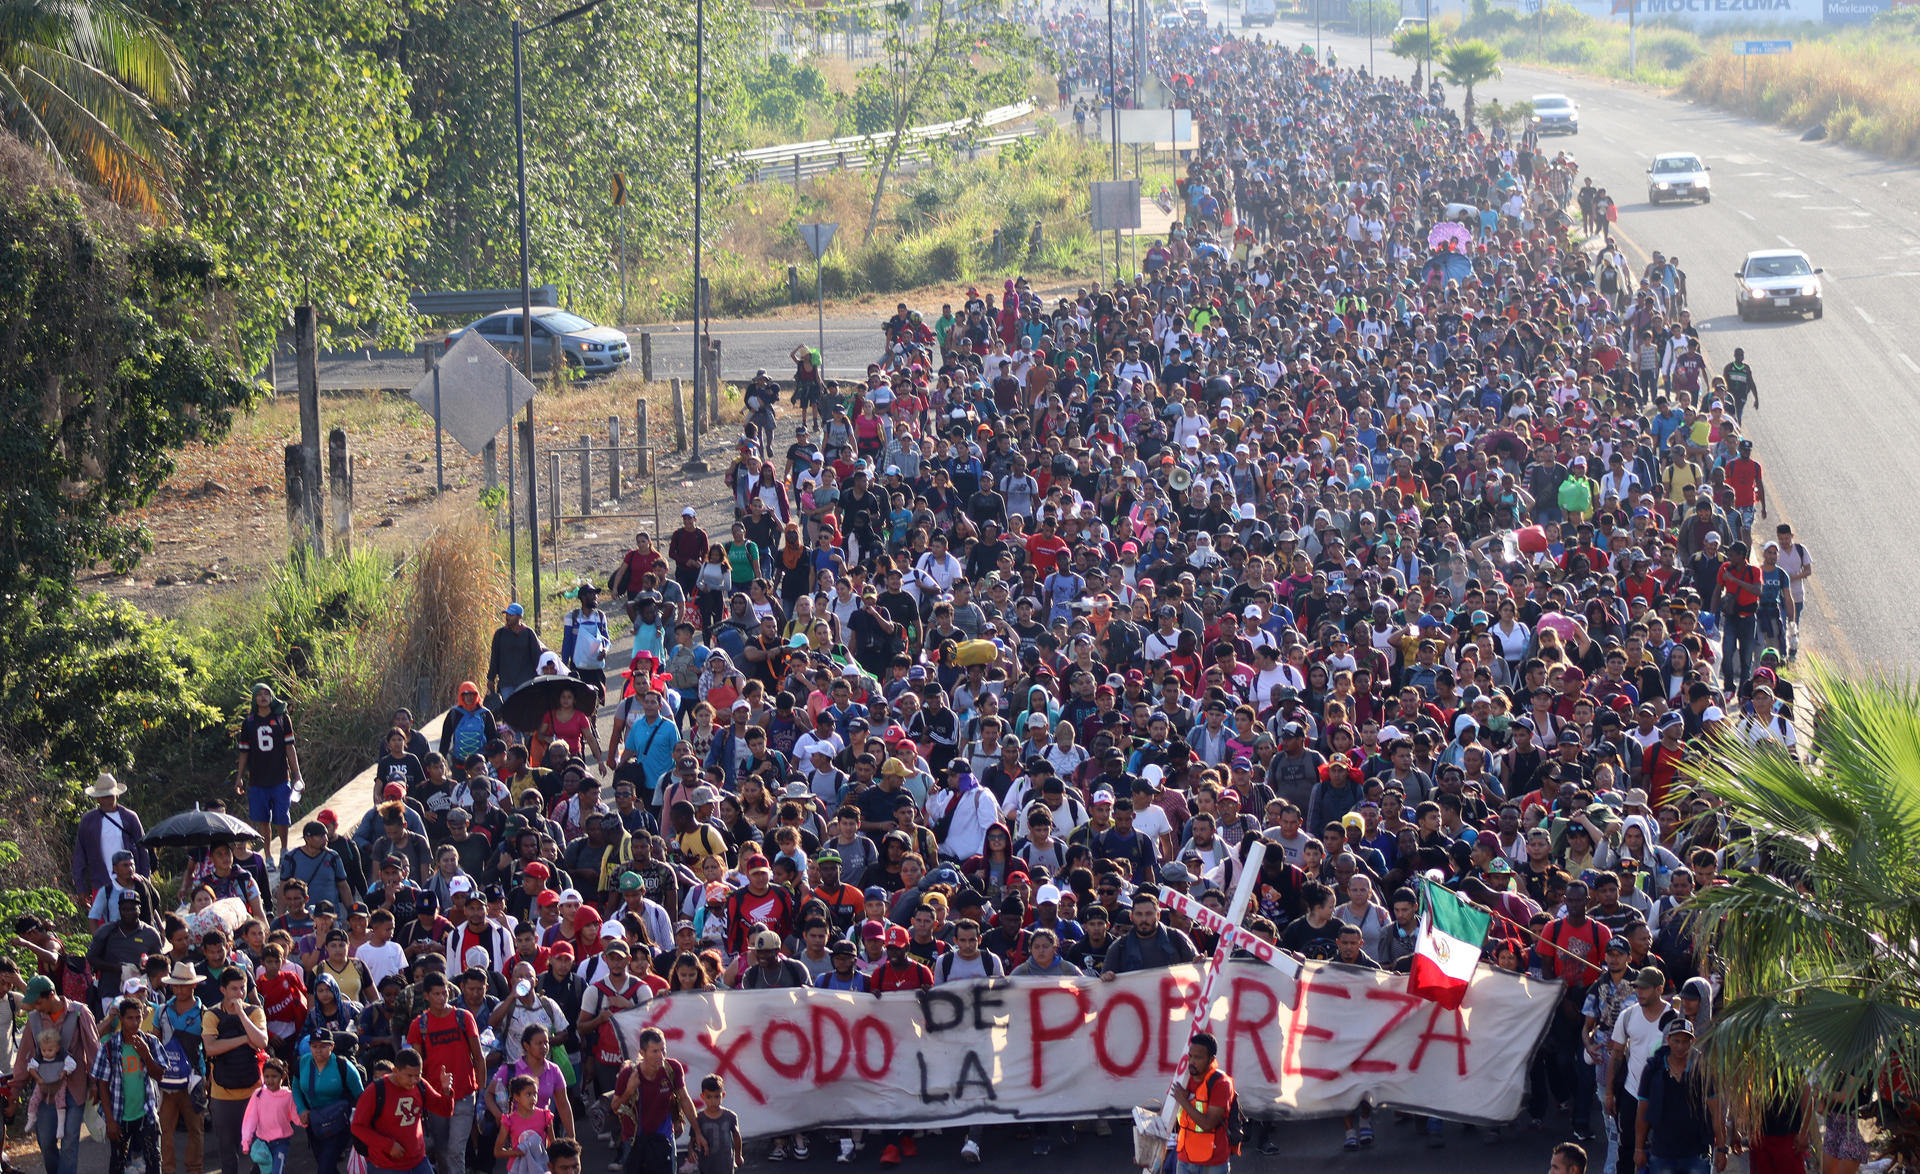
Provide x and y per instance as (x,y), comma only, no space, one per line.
(1821,938)
(1417,43)
(1467,64)
(79,80)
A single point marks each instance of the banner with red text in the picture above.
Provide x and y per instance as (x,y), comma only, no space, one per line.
(987,1050)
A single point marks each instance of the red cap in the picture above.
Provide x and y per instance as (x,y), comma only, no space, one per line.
(753,862)
(547,897)
(538,870)
(894,734)
(393,791)
(560,950)
(1230,796)
(327,816)
(897,937)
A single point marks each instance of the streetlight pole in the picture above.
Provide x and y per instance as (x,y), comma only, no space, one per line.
(526,289)
(1427,76)
(1113,107)
(696,465)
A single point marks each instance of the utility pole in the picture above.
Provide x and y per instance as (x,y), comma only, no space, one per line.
(1113,106)
(696,465)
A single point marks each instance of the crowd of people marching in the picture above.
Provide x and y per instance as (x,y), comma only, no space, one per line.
(1402,540)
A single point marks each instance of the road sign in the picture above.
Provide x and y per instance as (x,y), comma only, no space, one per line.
(1116,205)
(1761,48)
(1149,126)
(619,190)
(818,237)
(479,391)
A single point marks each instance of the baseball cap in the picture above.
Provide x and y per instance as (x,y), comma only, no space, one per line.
(766,939)
(875,893)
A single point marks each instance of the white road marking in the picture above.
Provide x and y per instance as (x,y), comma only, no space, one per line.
(1911,365)
(1791,196)
(1783,240)
(1864,316)
(1747,214)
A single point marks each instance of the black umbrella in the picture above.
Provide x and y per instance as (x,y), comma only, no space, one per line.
(198,829)
(526,707)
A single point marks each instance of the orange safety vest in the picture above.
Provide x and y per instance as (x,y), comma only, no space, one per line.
(1205,1147)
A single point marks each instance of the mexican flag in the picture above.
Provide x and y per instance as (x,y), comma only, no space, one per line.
(1451,934)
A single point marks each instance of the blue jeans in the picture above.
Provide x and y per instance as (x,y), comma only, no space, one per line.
(1180,1167)
(59,1149)
(1659,1165)
(279,1151)
(327,1152)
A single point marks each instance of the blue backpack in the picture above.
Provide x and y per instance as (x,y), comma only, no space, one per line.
(470,734)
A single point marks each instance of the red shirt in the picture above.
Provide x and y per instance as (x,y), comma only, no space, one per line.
(1045,550)
(401,1119)
(445,1044)
(909,976)
(1576,960)
(1743,475)
(284,995)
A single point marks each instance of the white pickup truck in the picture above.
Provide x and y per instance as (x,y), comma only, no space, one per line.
(1258,12)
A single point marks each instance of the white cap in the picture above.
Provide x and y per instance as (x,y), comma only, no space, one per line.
(689,512)
(570,896)
(1047,893)
(612,931)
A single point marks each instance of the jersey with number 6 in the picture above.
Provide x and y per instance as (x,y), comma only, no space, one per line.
(265,741)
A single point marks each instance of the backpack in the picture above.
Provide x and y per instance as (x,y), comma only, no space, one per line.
(1236,1121)
(379,1091)
(469,733)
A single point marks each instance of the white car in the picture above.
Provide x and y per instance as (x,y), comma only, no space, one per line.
(1555,114)
(1679,175)
(590,349)
(1783,281)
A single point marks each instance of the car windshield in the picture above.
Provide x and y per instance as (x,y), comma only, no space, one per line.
(1778,267)
(1554,104)
(561,322)
(1684,163)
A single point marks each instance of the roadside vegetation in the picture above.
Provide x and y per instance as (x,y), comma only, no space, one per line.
(1861,85)
(937,227)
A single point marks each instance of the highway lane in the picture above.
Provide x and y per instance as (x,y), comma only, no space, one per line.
(1838,430)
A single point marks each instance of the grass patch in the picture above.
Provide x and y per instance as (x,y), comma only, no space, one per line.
(935,226)
(345,640)
(1862,85)
(1564,36)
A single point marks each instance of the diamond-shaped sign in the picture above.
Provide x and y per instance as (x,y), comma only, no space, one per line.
(479,391)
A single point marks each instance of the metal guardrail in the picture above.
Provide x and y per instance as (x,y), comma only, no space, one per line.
(802,168)
(814,158)
(460,303)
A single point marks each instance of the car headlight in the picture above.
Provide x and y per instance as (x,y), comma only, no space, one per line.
(1662,186)
(1536,118)
(596,347)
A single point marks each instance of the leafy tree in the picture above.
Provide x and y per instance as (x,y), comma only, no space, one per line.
(611,91)
(298,167)
(108,364)
(958,59)
(1820,938)
(79,80)
(89,683)
(1419,44)
(1468,63)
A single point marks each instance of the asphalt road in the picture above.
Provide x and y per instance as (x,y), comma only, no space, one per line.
(1398,1149)
(1838,426)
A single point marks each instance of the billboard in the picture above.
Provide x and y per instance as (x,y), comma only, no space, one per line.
(1749,13)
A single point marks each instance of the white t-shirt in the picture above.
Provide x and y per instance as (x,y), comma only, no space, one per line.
(381,961)
(1642,1037)
(1152,822)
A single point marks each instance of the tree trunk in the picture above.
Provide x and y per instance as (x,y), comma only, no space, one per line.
(912,82)
(1469,107)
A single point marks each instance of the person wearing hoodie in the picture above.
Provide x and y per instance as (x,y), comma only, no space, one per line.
(469,726)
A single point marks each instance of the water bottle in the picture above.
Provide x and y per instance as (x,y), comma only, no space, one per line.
(299,788)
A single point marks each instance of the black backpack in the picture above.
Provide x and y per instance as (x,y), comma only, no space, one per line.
(1236,1121)
(380,1106)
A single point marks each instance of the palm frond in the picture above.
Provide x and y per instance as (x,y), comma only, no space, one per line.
(1820,942)
(109,35)
(106,133)
(19,118)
